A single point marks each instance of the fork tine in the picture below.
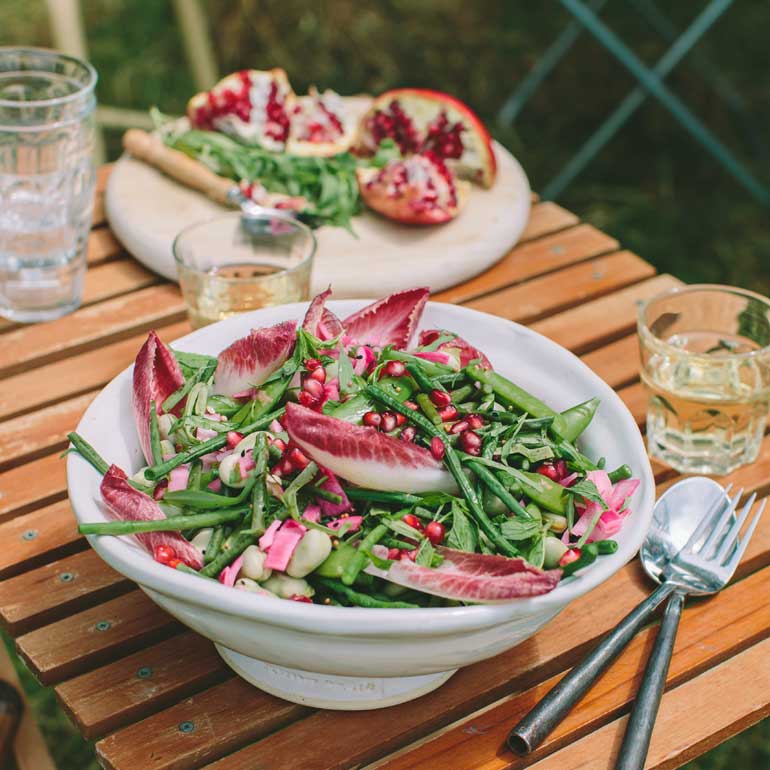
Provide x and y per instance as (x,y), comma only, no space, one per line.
(704,523)
(732,534)
(708,546)
(731,565)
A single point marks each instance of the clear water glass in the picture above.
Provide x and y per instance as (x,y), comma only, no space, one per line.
(236,263)
(706,365)
(47,180)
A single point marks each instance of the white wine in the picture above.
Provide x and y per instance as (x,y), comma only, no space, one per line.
(707,402)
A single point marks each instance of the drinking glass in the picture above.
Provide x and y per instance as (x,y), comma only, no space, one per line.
(46,181)
(706,365)
(235,263)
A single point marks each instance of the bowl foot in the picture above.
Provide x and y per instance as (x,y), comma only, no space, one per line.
(329,691)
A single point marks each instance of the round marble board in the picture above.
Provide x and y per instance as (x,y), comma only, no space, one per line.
(147,209)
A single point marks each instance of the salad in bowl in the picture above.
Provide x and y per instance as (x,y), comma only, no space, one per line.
(370,463)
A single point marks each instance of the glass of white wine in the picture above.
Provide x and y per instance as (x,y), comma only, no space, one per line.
(705,354)
(235,263)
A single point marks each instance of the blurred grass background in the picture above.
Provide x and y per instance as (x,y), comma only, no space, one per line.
(652,187)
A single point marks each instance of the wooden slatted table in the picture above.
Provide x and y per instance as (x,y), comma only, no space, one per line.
(157,696)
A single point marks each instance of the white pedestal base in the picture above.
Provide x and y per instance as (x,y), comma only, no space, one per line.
(327,690)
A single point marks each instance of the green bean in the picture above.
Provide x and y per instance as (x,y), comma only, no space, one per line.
(459,395)
(606,547)
(196,498)
(511,394)
(570,512)
(421,378)
(431,368)
(577,418)
(357,563)
(300,480)
(157,471)
(201,375)
(215,545)
(587,556)
(88,453)
(498,490)
(540,489)
(171,524)
(325,494)
(377,496)
(232,548)
(394,542)
(361,599)
(428,408)
(509,418)
(258,495)
(182,567)
(452,462)
(337,561)
(620,474)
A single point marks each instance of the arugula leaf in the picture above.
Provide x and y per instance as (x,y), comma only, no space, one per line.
(586,489)
(403,529)
(462,536)
(518,529)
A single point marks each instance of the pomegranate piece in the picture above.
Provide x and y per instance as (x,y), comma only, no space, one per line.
(418,190)
(252,105)
(320,125)
(366,457)
(440,398)
(156,376)
(249,361)
(420,120)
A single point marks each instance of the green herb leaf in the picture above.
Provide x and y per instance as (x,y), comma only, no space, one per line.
(520,529)
(586,489)
(462,536)
(345,371)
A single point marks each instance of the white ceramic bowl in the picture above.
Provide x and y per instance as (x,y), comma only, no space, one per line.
(347,657)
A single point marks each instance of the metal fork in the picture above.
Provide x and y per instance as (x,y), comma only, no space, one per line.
(703,565)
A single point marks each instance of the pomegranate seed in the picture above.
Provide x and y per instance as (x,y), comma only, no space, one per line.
(314,387)
(174,563)
(318,375)
(308,400)
(312,364)
(393,554)
(394,369)
(561,468)
(470,442)
(549,470)
(400,419)
(388,421)
(437,448)
(301,598)
(411,405)
(459,427)
(475,421)
(408,433)
(298,460)
(449,413)
(234,438)
(570,555)
(164,553)
(408,555)
(440,398)
(372,419)
(279,444)
(276,470)
(412,521)
(285,467)
(435,532)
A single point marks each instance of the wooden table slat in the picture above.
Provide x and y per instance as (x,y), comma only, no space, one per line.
(91,638)
(527,260)
(545,218)
(102,246)
(133,687)
(56,590)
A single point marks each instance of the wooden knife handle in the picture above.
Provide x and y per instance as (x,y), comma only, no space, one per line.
(150,149)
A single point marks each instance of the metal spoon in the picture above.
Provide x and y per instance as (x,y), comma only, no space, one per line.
(689,554)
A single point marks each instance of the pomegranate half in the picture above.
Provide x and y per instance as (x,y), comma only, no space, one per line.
(418,190)
(419,119)
(320,125)
(252,105)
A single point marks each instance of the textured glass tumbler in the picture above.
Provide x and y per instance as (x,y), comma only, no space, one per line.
(236,263)
(46,181)
(706,365)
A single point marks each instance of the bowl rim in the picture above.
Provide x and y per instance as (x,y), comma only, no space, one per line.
(121,554)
